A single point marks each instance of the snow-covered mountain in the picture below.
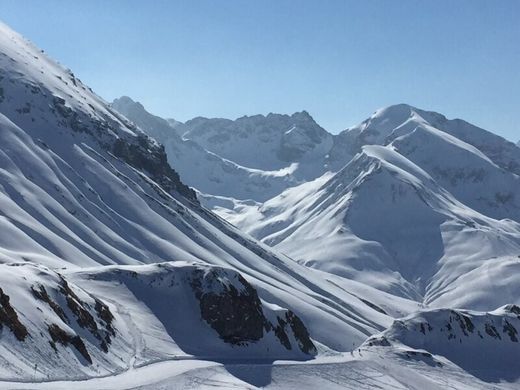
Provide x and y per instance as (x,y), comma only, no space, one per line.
(388,123)
(410,207)
(484,344)
(405,199)
(215,177)
(268,143)
(481,172)
(384,214)
(115,276)
(81,187)
(57,328)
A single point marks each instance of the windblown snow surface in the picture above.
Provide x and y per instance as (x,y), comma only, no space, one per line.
(114,276)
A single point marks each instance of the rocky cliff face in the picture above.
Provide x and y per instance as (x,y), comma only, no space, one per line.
(235,311)
(485,344)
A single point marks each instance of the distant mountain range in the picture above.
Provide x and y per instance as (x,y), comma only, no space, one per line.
(409,202)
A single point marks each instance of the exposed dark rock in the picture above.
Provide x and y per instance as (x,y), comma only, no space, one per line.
(236,315)
(143,155)
(280,332)
(299,330)
(58,335)
(300,333)
(513,308)
(379,342)
(423,329)
(106,315)
(464,322)
(492,331)
(511,331)
(42,295)
(9,318)
(86,320)
(83,316)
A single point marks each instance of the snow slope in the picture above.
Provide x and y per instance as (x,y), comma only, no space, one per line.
(481,170)
(484,344)
(391,122)
(111,265)
(80,186)
(406,215)
(384,221)
(361,370)
(108,319)
(464,171)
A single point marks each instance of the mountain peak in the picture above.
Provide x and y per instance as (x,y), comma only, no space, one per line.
(302,115)
(128,103)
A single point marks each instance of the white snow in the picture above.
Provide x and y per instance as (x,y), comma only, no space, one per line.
(401,216)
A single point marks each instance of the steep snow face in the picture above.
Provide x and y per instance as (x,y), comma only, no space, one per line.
(464,171)
(484,344)
(52,328)
(207,311)
(479,168)
(385,221)
(391,122)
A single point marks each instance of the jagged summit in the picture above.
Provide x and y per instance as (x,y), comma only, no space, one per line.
(269,142)
(125,101)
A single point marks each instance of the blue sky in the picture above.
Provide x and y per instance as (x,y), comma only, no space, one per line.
(340,60)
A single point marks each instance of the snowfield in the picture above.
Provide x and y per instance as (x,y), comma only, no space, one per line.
(386,256)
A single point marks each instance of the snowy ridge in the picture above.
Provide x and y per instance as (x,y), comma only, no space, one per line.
(53,329)
(485,344)
(262,142)
(385,214)
(391,122)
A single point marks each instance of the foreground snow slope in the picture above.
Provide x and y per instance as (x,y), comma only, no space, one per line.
(366,371)
(105,320)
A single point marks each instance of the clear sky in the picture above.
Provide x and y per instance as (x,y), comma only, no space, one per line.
(339,60)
